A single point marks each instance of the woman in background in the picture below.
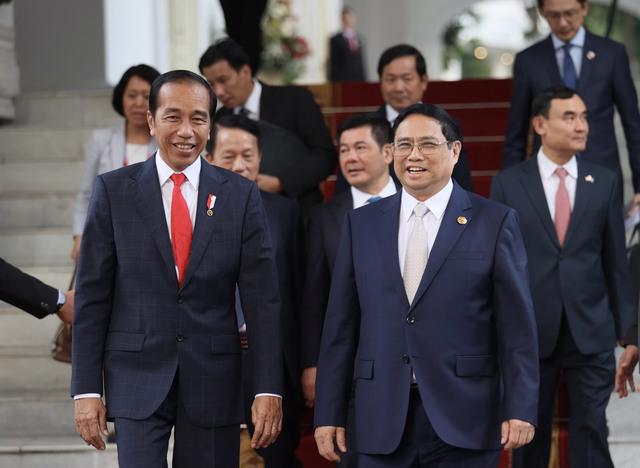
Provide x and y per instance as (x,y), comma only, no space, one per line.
(127,143)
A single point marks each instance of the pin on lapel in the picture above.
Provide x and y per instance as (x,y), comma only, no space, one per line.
(589,178)
(211,201)
(591,55)
(461,220)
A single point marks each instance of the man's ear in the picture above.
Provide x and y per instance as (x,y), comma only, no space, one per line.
(387,153)
(538,124)
(150,122)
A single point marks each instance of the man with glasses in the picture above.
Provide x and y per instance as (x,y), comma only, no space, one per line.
(596,67)
(430,312)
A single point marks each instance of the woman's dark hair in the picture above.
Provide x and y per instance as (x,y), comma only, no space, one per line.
(142,71)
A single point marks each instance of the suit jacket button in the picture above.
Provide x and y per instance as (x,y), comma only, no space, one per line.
(411,319)
(180,338)
(44,305)
(406,359)
(179,300)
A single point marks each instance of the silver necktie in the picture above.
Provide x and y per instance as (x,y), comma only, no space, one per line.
(415,259)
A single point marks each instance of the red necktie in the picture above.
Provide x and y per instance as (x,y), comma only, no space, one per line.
(180,227)
(563,206)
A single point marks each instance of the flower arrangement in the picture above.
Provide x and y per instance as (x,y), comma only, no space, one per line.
(284,50)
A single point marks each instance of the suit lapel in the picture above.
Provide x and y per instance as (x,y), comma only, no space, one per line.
(532,183)
(267,107)
(586,69)
(584,190)
(388,232)
(148,202)
(550,62)
(448,234)
(343,203)
(211,182)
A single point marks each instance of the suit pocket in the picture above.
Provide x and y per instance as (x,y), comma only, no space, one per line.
(466,255)
(122,341)
(364,369)
(476,366)
(225,344)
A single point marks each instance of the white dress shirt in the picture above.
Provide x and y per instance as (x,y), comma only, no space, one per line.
(577,44)
(437,205)
(391,113)
(361,198)
(550,180)
(253,102)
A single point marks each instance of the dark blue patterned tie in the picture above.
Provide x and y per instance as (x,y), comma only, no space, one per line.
(374,199)
(569,74)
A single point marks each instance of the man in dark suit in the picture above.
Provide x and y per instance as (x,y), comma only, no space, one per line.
(346,54)
(430,311)
(164,246)
(571,218)
(32,295)
(402,71)
(596,67)
(226,66)
(234,146)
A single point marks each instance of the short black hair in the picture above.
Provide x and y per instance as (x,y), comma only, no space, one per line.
(142,71)
(380,128)
(542,102)
(180,76)
(402,50)
(225,49)
(541,3)
(238,121)
(448,124)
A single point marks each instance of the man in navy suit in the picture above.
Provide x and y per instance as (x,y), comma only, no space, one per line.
(234,145)
(430,311)
(571,217)
(164,246)
(346,51)
(226,66)
(597,68)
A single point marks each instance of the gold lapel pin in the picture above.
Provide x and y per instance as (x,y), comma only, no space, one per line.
(591,55)
(209,212)
(462,220)
(589,178)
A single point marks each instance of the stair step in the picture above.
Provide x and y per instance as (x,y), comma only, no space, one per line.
(20,329)
(36,247)
(54,452)
(37,414)
(37,210)
(51,177)
(76,109)
(25,369)
(42,144)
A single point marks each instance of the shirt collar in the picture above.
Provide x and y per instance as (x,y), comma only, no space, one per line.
(253,101)
(360,198)
(547,167)
(437,204)
(391,113)
(577,41)
(192,172)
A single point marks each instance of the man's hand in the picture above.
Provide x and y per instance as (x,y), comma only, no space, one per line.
(516,433)
(91,421)
(75,250)
(266,415)
(624,373)
(66,311)
(635,201)
(324,436)
(309,386)
(269,183)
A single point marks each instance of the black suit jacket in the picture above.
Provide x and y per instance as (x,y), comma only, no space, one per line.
(294,108)
(587,279)
(605,80)
(461,171)
(344,63)
(323,236)
(26,292)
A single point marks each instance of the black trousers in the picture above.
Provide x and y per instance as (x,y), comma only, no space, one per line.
(420,447)
(144,443)
(589,380)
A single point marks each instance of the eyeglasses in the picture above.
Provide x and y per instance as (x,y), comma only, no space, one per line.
(568,15)
(428,148)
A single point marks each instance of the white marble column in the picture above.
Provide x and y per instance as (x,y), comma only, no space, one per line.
(9,77)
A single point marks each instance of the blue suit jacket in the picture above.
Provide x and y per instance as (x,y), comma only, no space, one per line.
(588,277)
(605,80)
(469,334)
(137,326)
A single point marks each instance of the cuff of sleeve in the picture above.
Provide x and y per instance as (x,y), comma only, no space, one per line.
(86,395)
(267,394)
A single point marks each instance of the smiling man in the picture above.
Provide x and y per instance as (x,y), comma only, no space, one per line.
(597,68)
(430,311)
(571,217)
(165,243)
